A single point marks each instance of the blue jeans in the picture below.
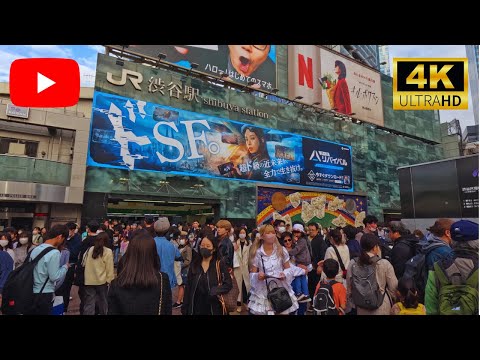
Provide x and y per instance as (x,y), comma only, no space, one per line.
(300,285)
(116,251)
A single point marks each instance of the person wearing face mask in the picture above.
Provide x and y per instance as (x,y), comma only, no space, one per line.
(240,266)
(270,260)
(37,238)
(24,246)
(203,289)
(280,228)
(6,245)
(186,252)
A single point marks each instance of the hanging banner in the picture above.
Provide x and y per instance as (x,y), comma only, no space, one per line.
(254,64)
(138,135)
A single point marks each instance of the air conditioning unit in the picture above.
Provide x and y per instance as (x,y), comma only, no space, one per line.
(16,149)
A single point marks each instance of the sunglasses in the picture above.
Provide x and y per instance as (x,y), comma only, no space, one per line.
(287,240)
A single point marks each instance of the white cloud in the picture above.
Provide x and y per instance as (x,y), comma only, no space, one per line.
(97,48)
(6,59)
(437,51)
(51,51)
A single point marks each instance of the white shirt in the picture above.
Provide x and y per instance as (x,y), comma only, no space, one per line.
(272,265)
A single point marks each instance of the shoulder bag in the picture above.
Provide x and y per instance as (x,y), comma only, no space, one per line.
(228,300)
(278,296)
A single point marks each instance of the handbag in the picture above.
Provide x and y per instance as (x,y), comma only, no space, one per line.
(228,300)
(278,296)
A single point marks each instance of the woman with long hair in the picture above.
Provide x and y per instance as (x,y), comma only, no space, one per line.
(98,274)
(385,275)
(23,248)
(341,95)
(207,280)
(339,252)
(140,287)
(270,260)
(240,265)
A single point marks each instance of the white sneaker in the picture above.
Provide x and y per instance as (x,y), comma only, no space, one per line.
(305,299)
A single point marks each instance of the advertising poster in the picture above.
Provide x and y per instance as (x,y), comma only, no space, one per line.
(242,63)
(335,82)
(322,208)
(138,135)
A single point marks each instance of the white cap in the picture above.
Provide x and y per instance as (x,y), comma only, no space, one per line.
(298,227)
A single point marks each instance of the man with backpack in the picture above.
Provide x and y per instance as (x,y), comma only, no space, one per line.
(437,244)
(434,248)
(452,286)
(33,295)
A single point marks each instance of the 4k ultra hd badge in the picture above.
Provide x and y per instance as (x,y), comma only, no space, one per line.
(430,84)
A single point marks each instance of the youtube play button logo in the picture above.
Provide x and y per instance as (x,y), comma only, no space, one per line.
(46,82)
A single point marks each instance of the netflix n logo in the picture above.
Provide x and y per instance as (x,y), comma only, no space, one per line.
(303,73)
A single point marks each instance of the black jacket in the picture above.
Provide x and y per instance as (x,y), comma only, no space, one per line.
(194,273)
(140,301)
(73,245)
(404,248)
(319,247)
(226,250)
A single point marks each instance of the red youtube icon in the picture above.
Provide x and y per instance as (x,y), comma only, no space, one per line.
(45,82)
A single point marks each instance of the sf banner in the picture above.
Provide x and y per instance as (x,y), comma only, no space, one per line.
(138,135)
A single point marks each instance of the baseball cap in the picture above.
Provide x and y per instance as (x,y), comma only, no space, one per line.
(464,230)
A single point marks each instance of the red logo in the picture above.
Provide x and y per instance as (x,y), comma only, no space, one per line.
(46,82)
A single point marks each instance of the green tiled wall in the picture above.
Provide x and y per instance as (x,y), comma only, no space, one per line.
(376,153)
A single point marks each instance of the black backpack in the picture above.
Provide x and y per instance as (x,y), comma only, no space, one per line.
(17,296)
(323,302)
(416,269)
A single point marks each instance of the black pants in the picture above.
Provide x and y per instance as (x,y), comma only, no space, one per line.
(66,287)
(313,280)
(81,295)
(43,304)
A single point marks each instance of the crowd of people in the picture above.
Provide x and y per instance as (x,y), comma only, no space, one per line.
(279,268)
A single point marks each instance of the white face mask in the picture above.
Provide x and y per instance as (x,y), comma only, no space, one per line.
(242,236)
(23,241)
(3,243)
(231,237)
(182,241)
(281,229)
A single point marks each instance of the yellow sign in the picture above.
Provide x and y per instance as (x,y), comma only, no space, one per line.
(430,84)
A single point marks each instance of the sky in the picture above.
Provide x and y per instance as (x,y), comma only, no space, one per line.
(86,56)
(438,51)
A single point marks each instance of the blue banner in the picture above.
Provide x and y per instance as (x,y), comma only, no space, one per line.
(138,135)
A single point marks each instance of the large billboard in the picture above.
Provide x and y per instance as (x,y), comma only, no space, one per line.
(306,206)
(240,63)
(139,135)
(334,82)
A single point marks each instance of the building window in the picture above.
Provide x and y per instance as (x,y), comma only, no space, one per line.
(18,147)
